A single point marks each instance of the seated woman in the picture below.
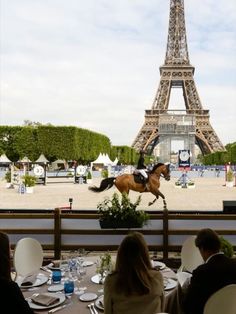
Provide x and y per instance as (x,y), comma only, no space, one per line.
(134,286)
(12,299)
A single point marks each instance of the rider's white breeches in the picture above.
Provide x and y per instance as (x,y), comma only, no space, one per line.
(143,173)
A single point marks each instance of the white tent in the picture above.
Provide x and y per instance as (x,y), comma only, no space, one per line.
(42,159)
(107,160)
(102,160)
(115,162)
(99,160)
(24,160)
(4,159)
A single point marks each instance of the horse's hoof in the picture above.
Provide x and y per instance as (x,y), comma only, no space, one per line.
(149,204)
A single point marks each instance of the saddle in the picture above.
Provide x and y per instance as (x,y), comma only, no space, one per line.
(138,178)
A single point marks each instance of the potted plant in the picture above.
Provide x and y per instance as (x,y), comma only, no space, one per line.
(230,178)
(191,185)
(7,177)
(104,173)
(29,181)
(89,177)
(121,213)
(178,184)
(226,247)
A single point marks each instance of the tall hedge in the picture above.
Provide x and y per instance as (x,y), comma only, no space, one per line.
(220,158)
(55,142)
(7,140)
(61,142)
(125,154)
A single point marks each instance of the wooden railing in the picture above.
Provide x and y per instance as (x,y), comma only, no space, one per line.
(62,230)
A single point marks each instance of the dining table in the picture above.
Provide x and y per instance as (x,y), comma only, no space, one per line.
(88,290)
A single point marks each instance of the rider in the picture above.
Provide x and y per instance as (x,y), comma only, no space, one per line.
(141,167)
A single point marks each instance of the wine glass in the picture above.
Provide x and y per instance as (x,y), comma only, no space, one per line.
(82,273)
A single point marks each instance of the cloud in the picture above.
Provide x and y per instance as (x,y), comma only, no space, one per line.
(95,64)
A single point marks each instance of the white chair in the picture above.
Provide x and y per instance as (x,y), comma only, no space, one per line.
(222,301)
(28,256)
(190,255)
(183,277)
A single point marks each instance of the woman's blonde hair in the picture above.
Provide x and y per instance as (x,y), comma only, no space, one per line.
(133,266)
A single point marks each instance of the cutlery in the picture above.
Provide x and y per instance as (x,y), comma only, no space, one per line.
(46,269)
(68,302)
(32,296)
(94,309)
(90,308)
(57,309)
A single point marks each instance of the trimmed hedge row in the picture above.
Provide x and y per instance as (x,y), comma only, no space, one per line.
(60,142)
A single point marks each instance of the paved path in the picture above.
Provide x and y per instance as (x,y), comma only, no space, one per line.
(208,194)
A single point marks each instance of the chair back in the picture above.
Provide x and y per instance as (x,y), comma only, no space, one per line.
(183,277)
(28,256)
(190,255)
(222,301)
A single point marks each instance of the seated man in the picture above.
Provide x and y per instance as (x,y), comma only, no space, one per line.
(217,271)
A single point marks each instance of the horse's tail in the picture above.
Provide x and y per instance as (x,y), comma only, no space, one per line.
(104,185)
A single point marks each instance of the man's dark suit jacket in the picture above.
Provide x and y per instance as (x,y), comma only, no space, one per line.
(218,272)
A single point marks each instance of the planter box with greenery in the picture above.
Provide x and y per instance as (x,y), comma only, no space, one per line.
(230,178)
(29,182)
(226,247)
(89,177)
(7,177)
(116,213)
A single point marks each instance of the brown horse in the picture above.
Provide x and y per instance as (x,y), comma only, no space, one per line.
(126,182)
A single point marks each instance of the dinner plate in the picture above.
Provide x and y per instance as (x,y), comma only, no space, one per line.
(55,288)
(96,279)
(88,297)
(41,307)
(87,263)
(99,303)
(171,284)
(40,280)
(158,264)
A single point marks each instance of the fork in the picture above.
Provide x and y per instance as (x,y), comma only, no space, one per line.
(68,302)
(94,309)
(90,308)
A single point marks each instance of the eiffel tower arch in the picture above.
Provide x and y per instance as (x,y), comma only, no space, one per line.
(177,72)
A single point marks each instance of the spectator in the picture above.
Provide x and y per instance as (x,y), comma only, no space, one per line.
(217,271)
(12,299)
(133,287)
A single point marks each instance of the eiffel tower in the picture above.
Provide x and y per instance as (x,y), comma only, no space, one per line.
(177,72)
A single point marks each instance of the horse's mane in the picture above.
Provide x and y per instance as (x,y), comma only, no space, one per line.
(156,166)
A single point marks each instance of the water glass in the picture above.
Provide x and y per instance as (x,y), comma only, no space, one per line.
(69,287)
(56,276)
(64,263)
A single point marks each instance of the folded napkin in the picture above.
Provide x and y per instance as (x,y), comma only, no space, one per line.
(101,302)
(44,299)
(29,280)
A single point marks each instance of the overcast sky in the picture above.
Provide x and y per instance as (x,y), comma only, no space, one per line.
(95,63)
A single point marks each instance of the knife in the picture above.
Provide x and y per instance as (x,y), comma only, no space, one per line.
(57,309)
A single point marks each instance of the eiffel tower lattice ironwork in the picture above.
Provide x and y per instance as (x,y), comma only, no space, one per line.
(177,72)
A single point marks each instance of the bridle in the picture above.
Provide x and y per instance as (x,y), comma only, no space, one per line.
(167,176)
